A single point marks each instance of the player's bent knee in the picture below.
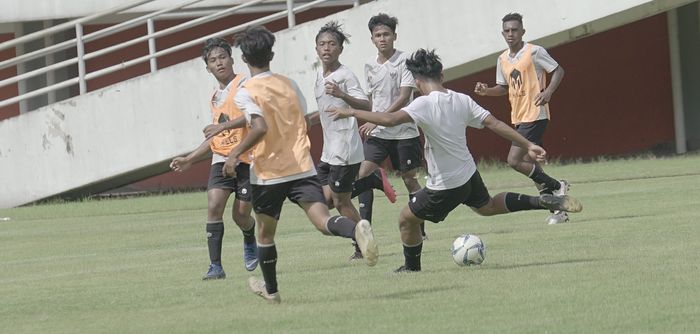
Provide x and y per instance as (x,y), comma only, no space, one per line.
(486,210)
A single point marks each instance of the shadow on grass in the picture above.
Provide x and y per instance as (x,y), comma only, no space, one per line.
(413,293)
(536,264)
(609,218)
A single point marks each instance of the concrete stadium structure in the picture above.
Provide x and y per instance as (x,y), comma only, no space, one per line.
(631,85)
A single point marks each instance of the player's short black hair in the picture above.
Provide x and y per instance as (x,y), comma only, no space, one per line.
(214,43)
(334,28)
(425,63)
(513,17)
(382,19)
(256,46)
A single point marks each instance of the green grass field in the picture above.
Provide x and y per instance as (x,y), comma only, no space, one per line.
(628,263)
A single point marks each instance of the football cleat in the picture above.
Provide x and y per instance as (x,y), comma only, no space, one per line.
(558,217)
(365,241)
(386,186)
(560,203)
(215,271)
(563,189)
(355,256)
(250,255)
(257,286)
(405,269)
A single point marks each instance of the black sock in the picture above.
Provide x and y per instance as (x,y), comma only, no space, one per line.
(341,226)
(519,202)
(249,236)
(411,255)
(215,236)
(366,200)
(357,247)
(372,181)
(267,255)
(548,183)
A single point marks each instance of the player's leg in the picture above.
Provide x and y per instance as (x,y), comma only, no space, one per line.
(307,193)
(482,203)
(364,185)
(219,189)
(268,201)
(267,255)
(371,176)
(322,171)
(432,205)
(341,180)
(412,239)
(519,160)
(242,207)
(409,157)
(534,132)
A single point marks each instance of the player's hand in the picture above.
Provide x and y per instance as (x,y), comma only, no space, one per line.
(543,98)
(333,89)
(366,129)
(180,164)
(338,113)
(212,130)
(229,169)
(480,88)
(537,153)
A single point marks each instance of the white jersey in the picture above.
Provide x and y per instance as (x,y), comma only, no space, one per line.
(342,144)
(444,117)
(384,82)
(540,57)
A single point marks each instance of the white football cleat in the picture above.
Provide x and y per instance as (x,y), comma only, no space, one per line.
(558,217)
(563,190)
(365,240)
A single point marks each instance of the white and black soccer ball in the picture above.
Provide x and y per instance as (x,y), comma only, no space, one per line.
(467,250)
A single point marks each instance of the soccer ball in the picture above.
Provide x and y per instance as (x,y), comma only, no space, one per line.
(468,249)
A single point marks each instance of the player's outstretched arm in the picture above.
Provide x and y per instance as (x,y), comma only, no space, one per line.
(380,118)
(401,101)
(502,129)
(212,130)
(181,164)
(484,89)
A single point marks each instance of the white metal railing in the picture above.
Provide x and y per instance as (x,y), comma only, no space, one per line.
(80,39)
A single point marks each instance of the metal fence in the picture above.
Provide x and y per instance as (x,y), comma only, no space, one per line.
(78,43)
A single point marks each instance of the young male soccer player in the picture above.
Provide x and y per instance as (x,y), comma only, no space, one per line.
(390,87)
(217,57)
(342,154)
(521,72)
(282,166)
(453,179)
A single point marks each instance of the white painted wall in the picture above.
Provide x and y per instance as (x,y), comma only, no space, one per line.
(110,132)
(153,118)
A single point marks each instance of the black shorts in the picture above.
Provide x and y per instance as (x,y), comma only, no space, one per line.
(532,131)
(338,178)
(240,184)
(268,199)
(405,154)
(435,205)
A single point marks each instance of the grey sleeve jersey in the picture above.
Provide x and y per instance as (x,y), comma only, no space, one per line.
(444,118)
(384,82)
